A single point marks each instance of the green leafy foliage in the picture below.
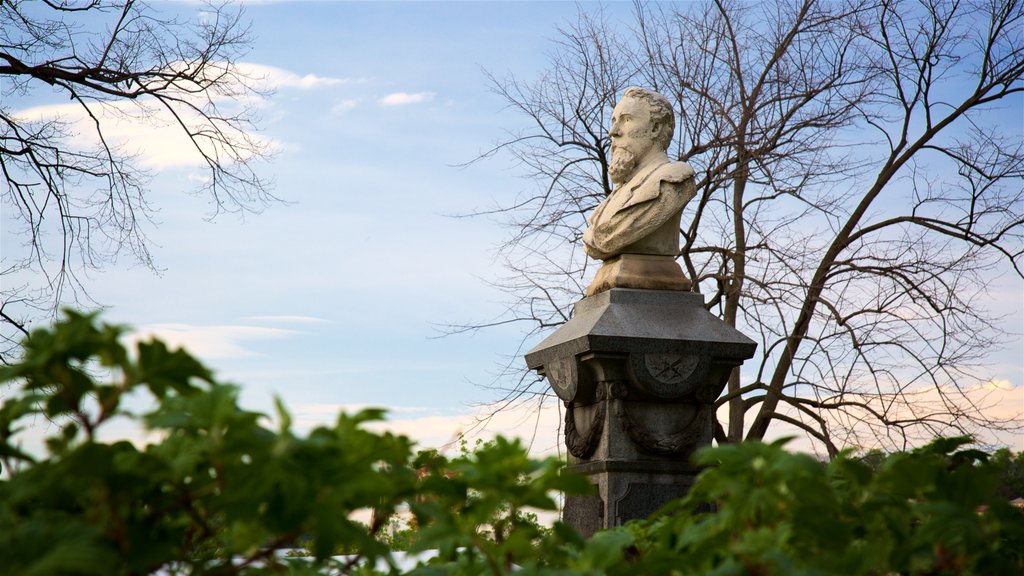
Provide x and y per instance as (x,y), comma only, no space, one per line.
(222,493)
(224,490)
(930,511)
(478,517)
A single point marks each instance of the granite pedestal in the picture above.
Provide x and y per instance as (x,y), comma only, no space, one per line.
(639,372)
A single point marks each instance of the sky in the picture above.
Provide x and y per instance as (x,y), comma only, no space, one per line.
(338,298)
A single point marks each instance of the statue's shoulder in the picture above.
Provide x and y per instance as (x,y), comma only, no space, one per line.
(647,187)
(673,172)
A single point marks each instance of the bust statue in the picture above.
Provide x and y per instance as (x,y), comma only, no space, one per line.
(635,230)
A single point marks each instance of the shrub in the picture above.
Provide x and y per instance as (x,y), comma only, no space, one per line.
(222,493)
(930,511)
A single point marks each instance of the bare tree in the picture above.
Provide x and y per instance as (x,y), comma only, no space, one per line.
(855,188)
(78,195)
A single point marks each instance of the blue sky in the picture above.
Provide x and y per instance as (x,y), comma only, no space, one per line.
(333,301)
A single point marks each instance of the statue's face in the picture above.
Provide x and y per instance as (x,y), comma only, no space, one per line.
(633,137)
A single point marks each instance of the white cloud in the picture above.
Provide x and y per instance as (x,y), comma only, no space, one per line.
(209,342)
(539,429)
(998,401)
(997,384)
(344,106)
(286,319)
(143,129)
(278,78)
(406,98)
(148,130)
(540,426)
(123,428)
(324,413)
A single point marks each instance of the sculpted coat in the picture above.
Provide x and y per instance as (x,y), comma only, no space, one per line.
(642,215)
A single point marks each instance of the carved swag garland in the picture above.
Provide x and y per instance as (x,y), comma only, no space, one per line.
(583,445)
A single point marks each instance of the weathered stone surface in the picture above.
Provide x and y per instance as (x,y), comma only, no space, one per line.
(639,371)
(663,343)
(644,271)
(641,362)
(642,213)
(626,491)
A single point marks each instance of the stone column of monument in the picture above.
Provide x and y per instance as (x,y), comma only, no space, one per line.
(641,362)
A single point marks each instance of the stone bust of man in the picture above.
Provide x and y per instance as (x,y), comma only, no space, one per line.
(635,230)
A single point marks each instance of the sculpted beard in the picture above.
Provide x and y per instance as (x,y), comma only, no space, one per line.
(623,164)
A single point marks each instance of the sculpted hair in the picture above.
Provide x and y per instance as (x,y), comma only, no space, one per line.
(661,112)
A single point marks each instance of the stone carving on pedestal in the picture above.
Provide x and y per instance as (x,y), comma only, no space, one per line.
(641,362)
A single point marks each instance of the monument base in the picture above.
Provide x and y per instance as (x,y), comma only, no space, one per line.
(642,271)
(639,372)
(635,452)
(625,491)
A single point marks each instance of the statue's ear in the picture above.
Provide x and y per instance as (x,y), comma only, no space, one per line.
(657,130)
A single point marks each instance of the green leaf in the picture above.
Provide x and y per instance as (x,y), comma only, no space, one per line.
(283,416)
(163,369)
(607,548)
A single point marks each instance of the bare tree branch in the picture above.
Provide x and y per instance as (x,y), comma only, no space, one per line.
(80,198)
(855,190)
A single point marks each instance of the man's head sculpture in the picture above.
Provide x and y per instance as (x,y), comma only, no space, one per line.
(642,125)
(635,231)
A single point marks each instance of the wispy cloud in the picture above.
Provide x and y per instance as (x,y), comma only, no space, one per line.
(210,342)
(278,78)
(538,425)
(998,400)
(406,98)
(149,131)
(344,105)
(142,129)
(288,319)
